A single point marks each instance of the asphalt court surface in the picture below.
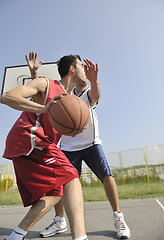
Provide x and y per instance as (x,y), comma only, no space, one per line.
(145,218)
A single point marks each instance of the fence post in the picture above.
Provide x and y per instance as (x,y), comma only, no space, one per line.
(122,170)
(147,169)
(7,178)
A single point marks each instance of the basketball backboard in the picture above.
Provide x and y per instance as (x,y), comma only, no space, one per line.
(15,76)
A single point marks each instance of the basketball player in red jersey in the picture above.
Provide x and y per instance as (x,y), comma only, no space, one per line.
(41,168)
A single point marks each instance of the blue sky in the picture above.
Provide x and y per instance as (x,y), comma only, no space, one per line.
(125,37)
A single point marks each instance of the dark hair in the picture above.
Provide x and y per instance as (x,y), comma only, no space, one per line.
(65,62)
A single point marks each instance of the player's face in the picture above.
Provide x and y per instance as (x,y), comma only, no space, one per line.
(79,73)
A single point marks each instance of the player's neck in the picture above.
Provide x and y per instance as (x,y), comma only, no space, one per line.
(67,84)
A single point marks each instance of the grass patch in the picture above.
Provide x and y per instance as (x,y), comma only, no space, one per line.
(95,192)
(11,197)
(126,191)
(141,190)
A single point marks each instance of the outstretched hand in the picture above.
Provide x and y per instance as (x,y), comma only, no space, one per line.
(91,70)
(32,62)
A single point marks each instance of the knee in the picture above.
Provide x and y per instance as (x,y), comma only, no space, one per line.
(49,200)
(108,178)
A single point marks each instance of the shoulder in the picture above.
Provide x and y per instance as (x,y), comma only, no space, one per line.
(40,80)
(39,83)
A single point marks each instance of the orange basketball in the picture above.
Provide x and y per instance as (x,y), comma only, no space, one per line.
(70,115)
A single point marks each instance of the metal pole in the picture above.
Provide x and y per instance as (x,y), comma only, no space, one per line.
(122,170)
(147,169)
(7,178)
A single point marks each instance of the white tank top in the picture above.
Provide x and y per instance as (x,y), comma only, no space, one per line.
(88,137)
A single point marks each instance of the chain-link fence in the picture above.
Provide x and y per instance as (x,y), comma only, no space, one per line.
(140,163)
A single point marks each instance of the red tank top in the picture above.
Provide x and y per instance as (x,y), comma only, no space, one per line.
(33,130)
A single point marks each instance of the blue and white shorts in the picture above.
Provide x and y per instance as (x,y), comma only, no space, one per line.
(95,159)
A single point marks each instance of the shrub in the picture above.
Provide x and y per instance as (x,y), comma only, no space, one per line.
(93,183)
(3,184)
(121,178)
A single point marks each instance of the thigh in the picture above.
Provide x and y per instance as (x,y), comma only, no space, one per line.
(75,159)
(96,160)
(43,173)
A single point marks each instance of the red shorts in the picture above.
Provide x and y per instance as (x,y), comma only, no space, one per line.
(43,172)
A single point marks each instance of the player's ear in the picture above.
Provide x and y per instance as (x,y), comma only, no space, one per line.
(72,69)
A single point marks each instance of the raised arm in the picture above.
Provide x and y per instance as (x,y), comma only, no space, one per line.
(33,64)
(17,97)
(91,71)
